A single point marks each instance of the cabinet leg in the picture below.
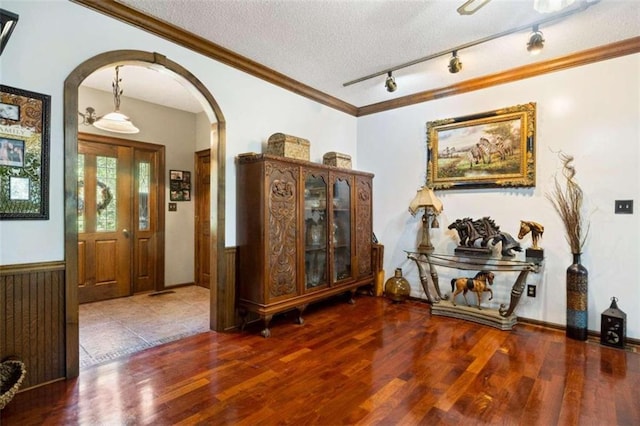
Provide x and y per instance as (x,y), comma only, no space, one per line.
(352,293)
(243,317)
(266,332)
(301,309)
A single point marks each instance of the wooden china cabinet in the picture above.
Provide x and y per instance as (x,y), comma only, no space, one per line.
(304,233)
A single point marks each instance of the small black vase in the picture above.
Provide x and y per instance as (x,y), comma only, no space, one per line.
(577,286)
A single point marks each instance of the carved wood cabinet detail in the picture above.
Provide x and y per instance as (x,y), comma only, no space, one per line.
(304,233)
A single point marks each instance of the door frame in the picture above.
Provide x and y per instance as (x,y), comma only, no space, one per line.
(198,191)
(218,308)
(158,150)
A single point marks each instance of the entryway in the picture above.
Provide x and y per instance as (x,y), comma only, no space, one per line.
(220,304)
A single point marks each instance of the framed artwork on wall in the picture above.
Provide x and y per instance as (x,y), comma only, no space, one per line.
(179,185)
(486,150)
(24,154)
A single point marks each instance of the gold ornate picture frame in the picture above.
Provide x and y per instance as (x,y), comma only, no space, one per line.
(24,154)
(485,150)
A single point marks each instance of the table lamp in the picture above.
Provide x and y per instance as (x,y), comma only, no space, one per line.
(427,200)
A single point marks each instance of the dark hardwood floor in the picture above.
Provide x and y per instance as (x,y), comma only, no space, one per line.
(370,363)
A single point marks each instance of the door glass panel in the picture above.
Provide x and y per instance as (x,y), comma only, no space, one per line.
(81,210)
(144,177)
(341,232)
(315,219)
(106,178)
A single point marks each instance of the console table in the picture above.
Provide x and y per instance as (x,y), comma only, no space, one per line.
(502,318)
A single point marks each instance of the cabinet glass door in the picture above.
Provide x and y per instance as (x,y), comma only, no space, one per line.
(315,236)
(341,232)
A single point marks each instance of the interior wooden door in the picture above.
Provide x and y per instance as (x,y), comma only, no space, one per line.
(203,218)
(104,221)
(146,221)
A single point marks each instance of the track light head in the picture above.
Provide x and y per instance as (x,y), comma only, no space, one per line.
(454,63)
(390,84)
(536,41)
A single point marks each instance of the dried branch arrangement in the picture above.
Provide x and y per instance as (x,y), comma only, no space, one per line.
(568,203)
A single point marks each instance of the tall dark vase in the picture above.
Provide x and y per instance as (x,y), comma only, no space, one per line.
(577,286)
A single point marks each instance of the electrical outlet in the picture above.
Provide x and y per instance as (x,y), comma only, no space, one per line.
(531,290)
(624,207)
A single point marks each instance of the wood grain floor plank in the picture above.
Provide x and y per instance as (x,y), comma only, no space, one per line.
(373,363)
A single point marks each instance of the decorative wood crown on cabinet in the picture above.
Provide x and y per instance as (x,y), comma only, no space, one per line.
(304,233)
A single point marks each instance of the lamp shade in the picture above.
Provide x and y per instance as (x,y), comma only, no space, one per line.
(425,197)
(116,122)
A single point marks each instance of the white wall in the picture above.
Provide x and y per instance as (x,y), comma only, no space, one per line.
(54,37)
(591,112)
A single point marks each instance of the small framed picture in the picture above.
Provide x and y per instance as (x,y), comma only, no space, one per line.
(179,185)
(9,111)
(18,188)
(11,152)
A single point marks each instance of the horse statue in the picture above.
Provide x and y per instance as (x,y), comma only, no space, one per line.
(536,230)
(478,284)
(508,244)
(487,228)
(464,231)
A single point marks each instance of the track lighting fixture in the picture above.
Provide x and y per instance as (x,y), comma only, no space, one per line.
(390,84)
(454,63)
(535,44)
(536,41)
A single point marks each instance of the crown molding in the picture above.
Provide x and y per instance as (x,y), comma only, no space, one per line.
(610,51)
(207,48)
(200,45)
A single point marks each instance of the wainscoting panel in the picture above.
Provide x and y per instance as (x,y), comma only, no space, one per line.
(231,318)
(32,319)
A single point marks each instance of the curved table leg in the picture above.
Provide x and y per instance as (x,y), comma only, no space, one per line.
(436,282)
(516,293)
(424,277)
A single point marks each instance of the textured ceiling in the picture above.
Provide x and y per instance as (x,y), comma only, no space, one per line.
(325,43)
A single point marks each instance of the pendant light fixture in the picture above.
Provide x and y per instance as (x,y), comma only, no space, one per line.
(116,121)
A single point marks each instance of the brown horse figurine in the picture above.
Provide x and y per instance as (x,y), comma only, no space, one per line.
(536,230)
(477,284)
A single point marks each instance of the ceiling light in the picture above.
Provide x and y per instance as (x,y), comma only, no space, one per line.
(390,84)
(114,121)
(9,21)
(454,63)
(549,6)
(536,41)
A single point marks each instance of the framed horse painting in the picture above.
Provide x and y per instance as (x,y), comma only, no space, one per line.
(485,150)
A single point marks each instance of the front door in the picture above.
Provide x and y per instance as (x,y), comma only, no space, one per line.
(104,221)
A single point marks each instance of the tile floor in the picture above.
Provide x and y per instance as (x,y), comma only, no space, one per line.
(118,327)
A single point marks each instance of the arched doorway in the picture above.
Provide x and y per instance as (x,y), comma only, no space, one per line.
(218,309)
